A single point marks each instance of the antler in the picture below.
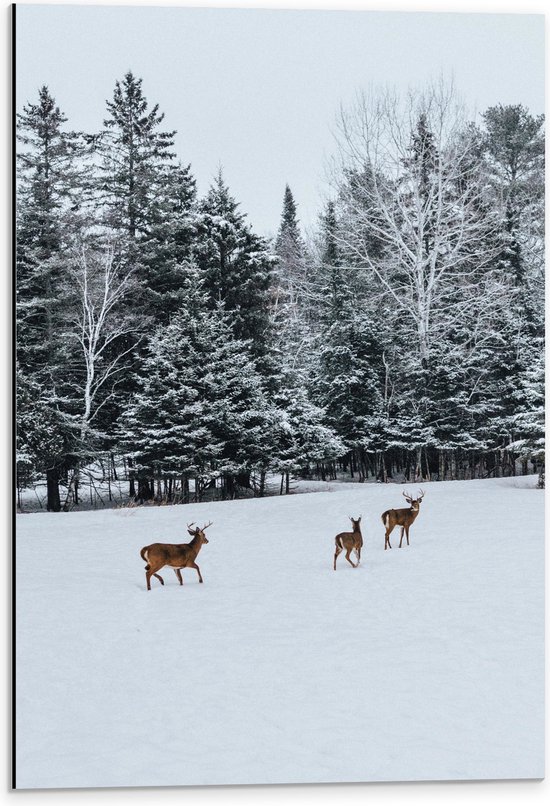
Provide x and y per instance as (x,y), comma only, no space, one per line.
(189,525)
(207,525)
(407,496)
(421,494)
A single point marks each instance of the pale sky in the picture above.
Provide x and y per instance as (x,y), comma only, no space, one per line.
(257,91)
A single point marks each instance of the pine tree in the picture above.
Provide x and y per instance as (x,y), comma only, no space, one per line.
(134,154)
(42,439)
(348,384)
(291,275)
(514,146)
(304,443)
(169,251)
(47,186)
(49,182)
(289,240)
(200,411)
(527,422)
(236,265)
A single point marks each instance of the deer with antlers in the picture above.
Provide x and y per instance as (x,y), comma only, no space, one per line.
(177,556)
(350,541)
(401,517)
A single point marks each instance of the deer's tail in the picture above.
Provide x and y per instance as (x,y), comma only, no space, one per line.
(144,556)
(386,518)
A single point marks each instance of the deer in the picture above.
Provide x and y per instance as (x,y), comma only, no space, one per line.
(350,541)
(177,556)
(401,517)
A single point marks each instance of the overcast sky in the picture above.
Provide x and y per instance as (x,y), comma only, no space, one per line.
(257,91)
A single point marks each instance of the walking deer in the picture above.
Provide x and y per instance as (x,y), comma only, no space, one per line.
(177,556)
(401,517)
(350,541)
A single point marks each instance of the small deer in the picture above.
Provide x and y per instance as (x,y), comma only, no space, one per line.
(401,517)
(178,556)
(350,541)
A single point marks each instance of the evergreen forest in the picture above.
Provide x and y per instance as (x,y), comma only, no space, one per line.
(165,345)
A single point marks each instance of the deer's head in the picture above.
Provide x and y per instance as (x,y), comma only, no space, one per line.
(356,522)
(414,502)
(198,532)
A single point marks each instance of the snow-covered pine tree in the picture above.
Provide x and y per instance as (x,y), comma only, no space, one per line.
(138,194)
(42,439)
(331,287)
(527,422)
(291,290)
(47,186)
(514,146)
(134,153)
(200,412)
(169,249)
(49,182)
(348,386)
(236,265)
(304,444)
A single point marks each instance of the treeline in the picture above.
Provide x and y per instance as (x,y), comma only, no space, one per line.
(157,332)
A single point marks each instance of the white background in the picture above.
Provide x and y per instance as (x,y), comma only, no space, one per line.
(503,793)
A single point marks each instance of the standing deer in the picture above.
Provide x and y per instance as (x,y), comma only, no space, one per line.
(401,517)
(351,541)
(178,556)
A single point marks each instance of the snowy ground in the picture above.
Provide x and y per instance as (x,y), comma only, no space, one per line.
(424,663)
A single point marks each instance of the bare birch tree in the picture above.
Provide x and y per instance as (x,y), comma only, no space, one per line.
(413,207)
(103,332)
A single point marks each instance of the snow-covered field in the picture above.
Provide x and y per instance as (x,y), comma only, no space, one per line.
(426,662)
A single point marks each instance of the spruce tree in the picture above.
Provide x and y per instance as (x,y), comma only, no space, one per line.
(135,153)
(49,184)
(304,443)
(169,251)
(47,187)
(200,411)
(236,265)
(291,272)
(42,439)
(514,146)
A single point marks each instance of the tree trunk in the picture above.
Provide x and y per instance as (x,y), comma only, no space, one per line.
(70,489)
(131,477)
(261,489)
(113,467)
(144,490)
(52,485)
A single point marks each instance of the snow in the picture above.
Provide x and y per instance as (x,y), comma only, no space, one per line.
(426,662)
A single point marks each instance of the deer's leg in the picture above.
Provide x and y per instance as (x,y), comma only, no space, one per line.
(402,533)
(387,544)
(198,571)
(358,553)
(407,533)
(348,552)
(178,574)
(150,573)
(336,553)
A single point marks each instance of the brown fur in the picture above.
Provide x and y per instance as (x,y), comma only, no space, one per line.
(350,541)
(176,555)
(401,517)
